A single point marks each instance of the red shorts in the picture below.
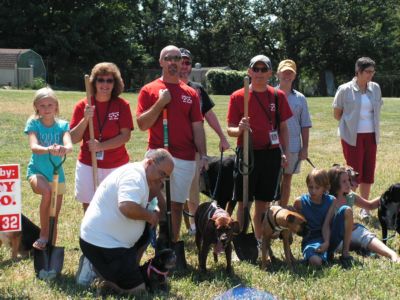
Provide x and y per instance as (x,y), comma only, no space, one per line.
(362,157)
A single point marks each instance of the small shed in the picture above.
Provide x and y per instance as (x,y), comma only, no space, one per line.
(18,67)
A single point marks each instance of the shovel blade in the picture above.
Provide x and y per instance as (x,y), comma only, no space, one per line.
(245,245)
(50,260)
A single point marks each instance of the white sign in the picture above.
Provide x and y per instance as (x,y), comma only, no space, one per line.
(10,198)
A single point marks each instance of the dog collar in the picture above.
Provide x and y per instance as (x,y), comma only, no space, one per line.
(150,268)
(276,228)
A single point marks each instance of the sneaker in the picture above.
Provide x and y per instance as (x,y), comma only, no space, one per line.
(192,231)
(364,215)
(85,274)
(259,248)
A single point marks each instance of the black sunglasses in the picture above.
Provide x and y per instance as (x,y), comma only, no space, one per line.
(187,62)
(262,70)
(102,80)
(174,58)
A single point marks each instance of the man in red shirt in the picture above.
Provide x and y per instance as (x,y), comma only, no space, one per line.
(268,112)
(185,127)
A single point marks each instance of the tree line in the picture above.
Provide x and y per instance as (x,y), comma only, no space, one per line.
(320,35)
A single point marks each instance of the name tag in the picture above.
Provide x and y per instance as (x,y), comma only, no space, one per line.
(100,155)
(274,137)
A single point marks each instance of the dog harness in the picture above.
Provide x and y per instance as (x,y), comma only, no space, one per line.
(150,268)
(276,228)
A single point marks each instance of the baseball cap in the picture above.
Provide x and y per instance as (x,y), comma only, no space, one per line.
(287,64)
(261,58)
(186,53)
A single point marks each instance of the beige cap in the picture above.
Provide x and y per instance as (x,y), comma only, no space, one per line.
(287,64)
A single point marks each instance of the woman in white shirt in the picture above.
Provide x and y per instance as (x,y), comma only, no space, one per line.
(357,107)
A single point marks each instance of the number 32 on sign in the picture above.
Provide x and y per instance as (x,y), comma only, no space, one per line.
(10,198)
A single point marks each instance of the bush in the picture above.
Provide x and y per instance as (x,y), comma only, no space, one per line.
(38,83)
(224,82)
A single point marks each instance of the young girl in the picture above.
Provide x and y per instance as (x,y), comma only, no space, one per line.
(361,237)
(326,230)
(48,138)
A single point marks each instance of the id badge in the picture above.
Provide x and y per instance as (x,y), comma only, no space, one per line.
(274,137)
(100,155)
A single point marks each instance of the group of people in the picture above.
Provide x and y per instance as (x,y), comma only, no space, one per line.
(118,214)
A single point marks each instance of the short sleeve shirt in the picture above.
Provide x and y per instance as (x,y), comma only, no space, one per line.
(261,123)
(111,117)
(206,103)
(47,136)
(183,110)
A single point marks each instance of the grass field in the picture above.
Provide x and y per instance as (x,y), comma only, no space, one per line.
(369,279)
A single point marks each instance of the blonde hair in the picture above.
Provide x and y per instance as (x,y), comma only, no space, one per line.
(107,68)
(40,94)
(320,177)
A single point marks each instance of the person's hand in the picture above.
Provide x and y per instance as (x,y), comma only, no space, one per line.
(224,144)
(303,154)
(94,145)
(244,124)
(88,112)
(57,150)
(284,161)
(323,248)
(154,218)
(164,96)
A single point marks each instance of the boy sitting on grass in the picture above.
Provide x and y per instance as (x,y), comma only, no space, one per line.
(326,229)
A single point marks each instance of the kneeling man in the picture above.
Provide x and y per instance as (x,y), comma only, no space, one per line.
(113,235)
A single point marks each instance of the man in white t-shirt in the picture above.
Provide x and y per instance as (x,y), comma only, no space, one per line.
(113,235)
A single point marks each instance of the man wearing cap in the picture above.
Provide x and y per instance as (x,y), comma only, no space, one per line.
(185,127)
(206,105)
(298,126)
(268,113)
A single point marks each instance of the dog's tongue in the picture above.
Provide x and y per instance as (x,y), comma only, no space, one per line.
(218,248)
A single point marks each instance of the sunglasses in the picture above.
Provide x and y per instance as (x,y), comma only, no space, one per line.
(187,62)
(174,58)
(102,80)
(262,70)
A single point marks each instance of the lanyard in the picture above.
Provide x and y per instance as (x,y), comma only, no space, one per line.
(101,126)
(267,112)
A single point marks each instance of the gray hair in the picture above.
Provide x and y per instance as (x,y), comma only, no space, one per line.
(158,155)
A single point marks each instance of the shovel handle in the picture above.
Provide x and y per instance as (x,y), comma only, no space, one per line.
(91,133)
(246,145)
(167,180)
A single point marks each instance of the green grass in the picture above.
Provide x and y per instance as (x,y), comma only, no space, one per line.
(368,279)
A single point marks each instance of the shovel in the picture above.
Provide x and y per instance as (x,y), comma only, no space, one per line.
(245,243)
(48,263)
(179,246)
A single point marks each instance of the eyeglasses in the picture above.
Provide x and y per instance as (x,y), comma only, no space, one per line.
(262,70)
(187,62)
(174,58)
(369,71)
(102,80)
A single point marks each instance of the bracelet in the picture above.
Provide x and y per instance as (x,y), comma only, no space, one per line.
(204,157)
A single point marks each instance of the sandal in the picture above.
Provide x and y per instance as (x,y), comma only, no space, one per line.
(40,244)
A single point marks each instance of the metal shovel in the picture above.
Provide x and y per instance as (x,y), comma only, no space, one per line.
(48,263)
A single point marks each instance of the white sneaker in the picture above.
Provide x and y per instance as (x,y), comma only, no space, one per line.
(364,215)
(192,231)
(85,274)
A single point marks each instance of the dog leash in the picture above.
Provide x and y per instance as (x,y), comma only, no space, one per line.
(150,268)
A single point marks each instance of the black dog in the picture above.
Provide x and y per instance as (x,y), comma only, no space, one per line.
(389,210)
(225,186)
(155,270)
(214,226)
(21,242)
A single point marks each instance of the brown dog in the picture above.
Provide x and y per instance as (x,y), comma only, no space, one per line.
(278,220)
(21,242)
(214,226)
